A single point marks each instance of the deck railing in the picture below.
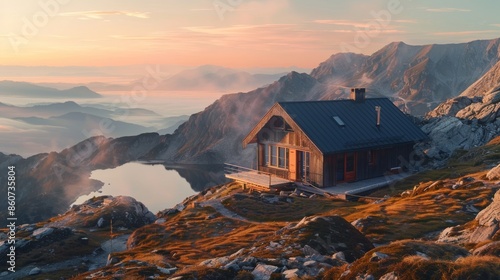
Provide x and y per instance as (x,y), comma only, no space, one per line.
(245,173)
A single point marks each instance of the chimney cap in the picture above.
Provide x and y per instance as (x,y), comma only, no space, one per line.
(358,95)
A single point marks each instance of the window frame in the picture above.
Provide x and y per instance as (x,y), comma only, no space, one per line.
(278,157)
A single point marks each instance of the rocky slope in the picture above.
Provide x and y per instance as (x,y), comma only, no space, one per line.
(76,239)
(483,228)
(462,123)
(488,81)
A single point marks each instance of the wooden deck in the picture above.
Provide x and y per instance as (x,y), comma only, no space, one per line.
(254,177)
(354,190)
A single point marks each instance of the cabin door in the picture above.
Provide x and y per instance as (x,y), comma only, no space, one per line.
(350,167)
(293,168)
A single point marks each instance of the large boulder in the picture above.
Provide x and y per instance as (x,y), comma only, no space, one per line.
(124,211)
(329,235)
(448,134)
(264,271)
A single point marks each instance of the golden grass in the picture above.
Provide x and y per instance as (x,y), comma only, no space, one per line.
(471,267)
(255,209)
(444,263)
(425,212)
(188,237)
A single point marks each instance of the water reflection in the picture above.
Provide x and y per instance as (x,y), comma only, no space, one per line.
(156,185)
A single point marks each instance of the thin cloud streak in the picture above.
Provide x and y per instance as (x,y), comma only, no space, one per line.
(447,10)
(342,22)
(102,14)
(459,33)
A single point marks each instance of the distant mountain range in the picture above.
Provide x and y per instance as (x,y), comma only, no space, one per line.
(216,78)
(23,89)
(418,77)
(202,78)
(57,109)
(55,126)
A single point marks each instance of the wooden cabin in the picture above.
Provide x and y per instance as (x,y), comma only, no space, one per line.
(331,142)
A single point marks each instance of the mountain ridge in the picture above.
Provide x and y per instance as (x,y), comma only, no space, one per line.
(24,89)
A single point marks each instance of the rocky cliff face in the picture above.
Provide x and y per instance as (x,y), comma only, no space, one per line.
(421,77)
(462,123)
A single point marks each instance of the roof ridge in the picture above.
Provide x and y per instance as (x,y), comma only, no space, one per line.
(336,100)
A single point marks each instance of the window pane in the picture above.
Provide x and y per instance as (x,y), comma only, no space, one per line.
(282,158)
(266,155)
(274,156)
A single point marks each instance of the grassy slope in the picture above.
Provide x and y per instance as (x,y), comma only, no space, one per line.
(431,204)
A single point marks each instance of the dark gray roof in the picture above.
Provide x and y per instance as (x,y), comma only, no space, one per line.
(360,130)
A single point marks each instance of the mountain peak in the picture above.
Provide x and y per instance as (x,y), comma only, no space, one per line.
(295,78)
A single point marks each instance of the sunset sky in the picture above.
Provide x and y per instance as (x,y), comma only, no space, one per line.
(232,33)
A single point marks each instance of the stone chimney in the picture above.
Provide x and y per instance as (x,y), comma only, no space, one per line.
(358,95)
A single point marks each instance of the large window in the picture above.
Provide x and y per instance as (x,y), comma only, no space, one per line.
(278,157)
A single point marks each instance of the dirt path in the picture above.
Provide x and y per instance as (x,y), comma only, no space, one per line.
(217,205)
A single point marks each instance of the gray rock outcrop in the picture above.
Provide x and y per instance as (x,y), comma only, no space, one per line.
(461,123)
(488,223)
(98,212)
(494,173)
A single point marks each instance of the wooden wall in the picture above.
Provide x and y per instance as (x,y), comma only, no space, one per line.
(384,160)
(294,139)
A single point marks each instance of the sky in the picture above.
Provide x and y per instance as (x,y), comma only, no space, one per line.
(231,33)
